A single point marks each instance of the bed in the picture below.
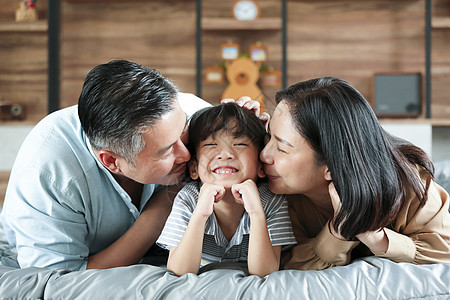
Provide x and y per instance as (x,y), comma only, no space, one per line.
(366,278)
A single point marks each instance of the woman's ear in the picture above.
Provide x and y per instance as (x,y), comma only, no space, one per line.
(193,170)
(327,174)
(261,173)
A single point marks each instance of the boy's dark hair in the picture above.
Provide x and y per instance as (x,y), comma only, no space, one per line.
(230,117)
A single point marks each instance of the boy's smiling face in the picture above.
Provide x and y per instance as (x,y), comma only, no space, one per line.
(226,160)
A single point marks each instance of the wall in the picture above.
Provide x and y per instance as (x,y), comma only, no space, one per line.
(158,33)
(347,38)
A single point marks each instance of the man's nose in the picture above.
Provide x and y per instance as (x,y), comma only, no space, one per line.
(182,153)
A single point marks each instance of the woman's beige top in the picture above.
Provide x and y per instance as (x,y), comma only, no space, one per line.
(420,234)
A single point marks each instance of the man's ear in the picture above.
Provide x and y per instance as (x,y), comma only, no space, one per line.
(327,174)
(109,159)
(193,169)
(261,173)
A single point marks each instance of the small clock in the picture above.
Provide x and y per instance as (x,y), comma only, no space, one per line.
(246,10)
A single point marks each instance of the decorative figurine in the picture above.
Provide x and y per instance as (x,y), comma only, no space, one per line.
(27,11)
(243,75)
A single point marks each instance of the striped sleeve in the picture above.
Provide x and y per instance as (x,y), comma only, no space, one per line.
(278,221)
(177,222)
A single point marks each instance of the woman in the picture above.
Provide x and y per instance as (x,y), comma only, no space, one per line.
(353,187)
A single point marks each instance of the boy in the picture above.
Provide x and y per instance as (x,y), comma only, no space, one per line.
(221,216)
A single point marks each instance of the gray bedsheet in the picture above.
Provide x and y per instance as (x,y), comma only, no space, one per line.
(368,278)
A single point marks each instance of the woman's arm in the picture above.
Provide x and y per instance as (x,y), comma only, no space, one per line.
(317,247)
(421,232)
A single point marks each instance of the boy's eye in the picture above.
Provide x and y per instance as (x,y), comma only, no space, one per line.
(209,144)
(241,144)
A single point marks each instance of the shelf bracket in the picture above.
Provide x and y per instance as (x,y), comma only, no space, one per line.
(53,55)
(198,38)
(428,58)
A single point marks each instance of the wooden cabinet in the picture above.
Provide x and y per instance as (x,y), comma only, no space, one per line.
(216,26)
(440,59)
(24,61)
(441,14)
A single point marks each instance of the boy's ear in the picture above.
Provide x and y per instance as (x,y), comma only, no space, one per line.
(327,174)
(110,160)
(193,170)
(261,173)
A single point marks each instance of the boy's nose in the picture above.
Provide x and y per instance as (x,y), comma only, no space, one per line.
(225,153)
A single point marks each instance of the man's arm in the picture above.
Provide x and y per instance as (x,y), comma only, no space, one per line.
(132,246)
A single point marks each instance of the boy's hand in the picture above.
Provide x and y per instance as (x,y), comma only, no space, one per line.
(209,194)
(246,193)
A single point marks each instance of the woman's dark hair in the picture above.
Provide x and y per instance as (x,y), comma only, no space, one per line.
(371,169)
(120,100)
(230,117)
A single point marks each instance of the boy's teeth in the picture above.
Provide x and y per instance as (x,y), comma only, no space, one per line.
(225,170)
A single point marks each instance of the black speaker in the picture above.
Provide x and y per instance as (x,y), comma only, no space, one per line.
(397,95)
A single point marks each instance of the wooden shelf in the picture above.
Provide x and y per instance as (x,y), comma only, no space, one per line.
(232,24)
(432,122)
(440,22)
(35,26)
(18,122)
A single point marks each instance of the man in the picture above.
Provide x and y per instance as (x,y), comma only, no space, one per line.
(78,192)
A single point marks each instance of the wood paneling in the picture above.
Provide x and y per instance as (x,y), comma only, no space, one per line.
(159,34)
(355,39)
(440,62)
(23,61)
(351,39)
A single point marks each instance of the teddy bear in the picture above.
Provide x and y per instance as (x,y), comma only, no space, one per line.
(243,74)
